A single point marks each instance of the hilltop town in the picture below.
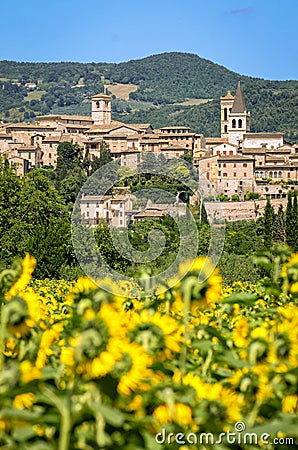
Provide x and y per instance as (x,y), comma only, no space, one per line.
(238,165)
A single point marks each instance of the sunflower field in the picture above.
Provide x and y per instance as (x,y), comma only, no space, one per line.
(84,369)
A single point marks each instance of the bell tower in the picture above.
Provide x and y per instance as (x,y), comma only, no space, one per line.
(102,109)
(239,119)
(226,104)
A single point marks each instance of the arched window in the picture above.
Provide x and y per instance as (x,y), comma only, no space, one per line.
(257,174)
(280,174)
(97,104)
(239,123)
(270,174)
(275,174)
(225,114)
(233,123)
(226,128)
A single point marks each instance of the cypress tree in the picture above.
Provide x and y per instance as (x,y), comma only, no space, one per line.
(289,221)
(268,224)
(279,226)
(295,223)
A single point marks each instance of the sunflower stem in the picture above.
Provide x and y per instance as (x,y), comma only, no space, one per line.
(64,407)
(2,334)
(188,284)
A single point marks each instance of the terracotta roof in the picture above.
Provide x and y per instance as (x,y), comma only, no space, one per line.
(52,138)
(105,128)
(150,213)
(239,103)
(252,151)
(70,117)
(235,157)
(263,135)
(101,95)
(31,125)
(28,148)
(228,96)
(215,140)
(175,128)
(74,125)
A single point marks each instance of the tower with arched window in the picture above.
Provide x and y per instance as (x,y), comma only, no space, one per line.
(239,119)
(226,104)
(102,109)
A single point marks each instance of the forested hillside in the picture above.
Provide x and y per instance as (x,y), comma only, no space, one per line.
(164,82)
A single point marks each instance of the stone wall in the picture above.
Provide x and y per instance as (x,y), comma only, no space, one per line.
(232,211)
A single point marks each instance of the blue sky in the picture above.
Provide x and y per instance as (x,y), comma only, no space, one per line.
(251,37)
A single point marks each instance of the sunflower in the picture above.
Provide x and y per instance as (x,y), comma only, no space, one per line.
(94,351)
(28,265)
(22,401)
(180,414)
(29,372)
(202,283)
(219,396)
(240,333)
(132,369)
(159,334)
(48,338)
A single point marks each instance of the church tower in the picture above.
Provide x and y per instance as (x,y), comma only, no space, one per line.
(239,119)
(226,104)
(102,109)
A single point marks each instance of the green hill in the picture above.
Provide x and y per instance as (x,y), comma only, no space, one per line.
(164,82)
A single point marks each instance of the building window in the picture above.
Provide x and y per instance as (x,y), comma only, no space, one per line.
(233,123)
(50,155)
(244,164)
(244,174)
(225,114)
(29,155)
(51,145)
(239,123)
(208,165)
(224,165)
(224,174)
(219,165)
(97,104)
(87,206)
(235,174)
(231,152)
(226,128)
(218,152)
(235,165)
(87,213)
(219,173)
(207,175)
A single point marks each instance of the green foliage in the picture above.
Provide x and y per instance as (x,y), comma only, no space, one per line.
(104,158)
(292,221)
(268,224)
(33,218)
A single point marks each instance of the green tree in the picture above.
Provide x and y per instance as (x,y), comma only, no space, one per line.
(290,222)
(279,226)
(104,158)
(268,224)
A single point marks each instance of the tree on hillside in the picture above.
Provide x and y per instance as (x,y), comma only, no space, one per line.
(268,224)
(279,234)
(34,219)
(104,158)
(290,219)
(70,173)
